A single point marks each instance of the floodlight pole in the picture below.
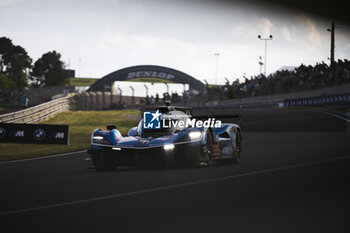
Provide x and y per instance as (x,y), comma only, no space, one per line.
(120,96)
(260,65)
(111,100)
(132,95)
(167,88)
(265,39)
(146,93)
(332,65)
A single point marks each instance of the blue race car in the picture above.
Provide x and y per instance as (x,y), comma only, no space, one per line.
(168,137)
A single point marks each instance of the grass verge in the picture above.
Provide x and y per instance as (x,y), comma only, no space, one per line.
(81,124)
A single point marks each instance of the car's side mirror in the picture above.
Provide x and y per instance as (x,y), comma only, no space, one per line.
(111,127)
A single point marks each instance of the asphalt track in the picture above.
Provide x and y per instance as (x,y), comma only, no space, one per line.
(294,176)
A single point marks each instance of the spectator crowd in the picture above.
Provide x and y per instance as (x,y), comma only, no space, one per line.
(300,79)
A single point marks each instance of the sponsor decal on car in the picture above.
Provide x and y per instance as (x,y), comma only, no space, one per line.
(227,150)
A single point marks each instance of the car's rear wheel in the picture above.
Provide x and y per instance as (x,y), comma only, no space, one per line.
(103,161)
(237,148)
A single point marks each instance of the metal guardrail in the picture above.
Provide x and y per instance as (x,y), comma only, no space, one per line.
(37,113)
(233,104)
(324,100)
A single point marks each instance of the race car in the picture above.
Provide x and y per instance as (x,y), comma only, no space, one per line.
(169,137)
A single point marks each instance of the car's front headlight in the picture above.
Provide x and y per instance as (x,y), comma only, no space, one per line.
(168,147)
(100,140)
(196,135)
(191,136)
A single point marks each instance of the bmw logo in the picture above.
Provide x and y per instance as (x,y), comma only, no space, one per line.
(2,132)
(39,134)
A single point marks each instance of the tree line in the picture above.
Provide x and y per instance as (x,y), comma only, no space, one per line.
(17,70)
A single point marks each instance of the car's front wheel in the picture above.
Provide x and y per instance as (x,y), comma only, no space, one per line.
(237,148)
(209,148)
(103,161)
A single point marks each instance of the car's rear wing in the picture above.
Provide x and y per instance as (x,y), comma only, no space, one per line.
(217,113)
(166,109)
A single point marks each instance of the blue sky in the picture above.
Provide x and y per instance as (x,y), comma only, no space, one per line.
(109,35)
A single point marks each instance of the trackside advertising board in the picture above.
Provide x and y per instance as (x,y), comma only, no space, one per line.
(82,81)
(34,133)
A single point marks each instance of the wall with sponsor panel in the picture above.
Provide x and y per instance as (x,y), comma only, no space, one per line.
(34,133)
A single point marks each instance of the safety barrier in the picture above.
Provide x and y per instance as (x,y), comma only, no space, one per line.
(104,100)
(317,97)
(37,113)
(325,100)
(335,94)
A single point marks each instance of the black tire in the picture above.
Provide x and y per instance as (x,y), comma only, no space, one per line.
(169,160)
(237,149)
(209,145)
(103,161)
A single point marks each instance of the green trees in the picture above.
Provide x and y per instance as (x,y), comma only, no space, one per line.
(49,70)
(14,65)
(6,82)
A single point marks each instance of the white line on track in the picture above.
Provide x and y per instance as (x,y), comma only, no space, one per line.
(333,114)
(43,157)
(170,187)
